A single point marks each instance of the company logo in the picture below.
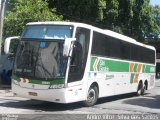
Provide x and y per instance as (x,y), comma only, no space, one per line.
(102,66)
(109,77)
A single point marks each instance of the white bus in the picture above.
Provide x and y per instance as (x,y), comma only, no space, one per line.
(66,62)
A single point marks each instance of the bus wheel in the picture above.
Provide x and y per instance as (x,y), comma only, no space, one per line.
(144,88)
(92,96)
(140,90)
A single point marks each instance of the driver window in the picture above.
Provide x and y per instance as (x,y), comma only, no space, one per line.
(79,55)
(82,42)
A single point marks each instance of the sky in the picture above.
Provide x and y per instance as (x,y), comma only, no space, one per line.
(155,2)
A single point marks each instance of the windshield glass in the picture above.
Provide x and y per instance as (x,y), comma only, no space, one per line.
(40,59)
(47,32)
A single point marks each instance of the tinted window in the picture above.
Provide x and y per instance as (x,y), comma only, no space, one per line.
(115,47)
(141,54)
(100,45)
(104,45)
(109,46)
(125,49)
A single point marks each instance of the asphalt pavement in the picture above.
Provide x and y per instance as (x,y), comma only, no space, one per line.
(115,107)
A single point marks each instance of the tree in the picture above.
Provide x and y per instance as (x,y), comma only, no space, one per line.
(24,11)
(133,18)
(111,14)
(142,20)
(156,27)
(125,16)
(87,11)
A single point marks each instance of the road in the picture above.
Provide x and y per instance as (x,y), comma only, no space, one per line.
(123,104)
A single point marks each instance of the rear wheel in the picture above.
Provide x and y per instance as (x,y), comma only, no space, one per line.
(144,89)
(92,96)
(140,90)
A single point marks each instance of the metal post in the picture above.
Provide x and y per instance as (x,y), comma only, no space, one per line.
(2,9)
(0,4)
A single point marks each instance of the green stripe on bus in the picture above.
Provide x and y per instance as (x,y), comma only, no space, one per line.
(117,66)
(92,63)
(33,81)
(109,65)
(143,68)
(147,69)
(135,67)
(132,77)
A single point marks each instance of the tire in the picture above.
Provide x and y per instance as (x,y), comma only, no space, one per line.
(144,89)
(92,96)
(140,90)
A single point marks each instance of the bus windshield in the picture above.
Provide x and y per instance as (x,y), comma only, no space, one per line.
(39,55)
(40,60)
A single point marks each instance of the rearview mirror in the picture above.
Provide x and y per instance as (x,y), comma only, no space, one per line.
(67,46)
(8,42)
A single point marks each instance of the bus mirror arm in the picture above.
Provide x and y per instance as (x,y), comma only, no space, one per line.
(68,45)
(7,44)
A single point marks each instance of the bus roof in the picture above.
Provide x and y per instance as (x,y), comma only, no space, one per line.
(103,31)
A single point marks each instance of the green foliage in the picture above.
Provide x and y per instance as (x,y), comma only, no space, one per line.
(142,20)
(134,18)
(156,25)
(88,11)
(24,11)
(111,14)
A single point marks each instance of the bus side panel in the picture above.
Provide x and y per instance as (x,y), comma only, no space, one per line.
(75,93)
(116,77)
(106,87)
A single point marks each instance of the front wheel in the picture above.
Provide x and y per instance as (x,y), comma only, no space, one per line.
(92,96)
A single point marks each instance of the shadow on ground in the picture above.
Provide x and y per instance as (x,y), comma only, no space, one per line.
(147,101)
(50,106)
(40,105)
(115,98)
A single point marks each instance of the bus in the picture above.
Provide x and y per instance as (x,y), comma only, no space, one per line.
(66,62)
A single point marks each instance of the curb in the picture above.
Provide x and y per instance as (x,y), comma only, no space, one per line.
(6,93)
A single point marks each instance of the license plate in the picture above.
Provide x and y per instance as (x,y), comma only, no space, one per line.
(32,93)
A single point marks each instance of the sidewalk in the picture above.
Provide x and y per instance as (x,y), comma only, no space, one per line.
(5,91)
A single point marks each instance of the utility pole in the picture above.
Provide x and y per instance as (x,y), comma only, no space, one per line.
(2,9)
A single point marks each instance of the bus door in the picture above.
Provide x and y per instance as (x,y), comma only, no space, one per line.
(79,55)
